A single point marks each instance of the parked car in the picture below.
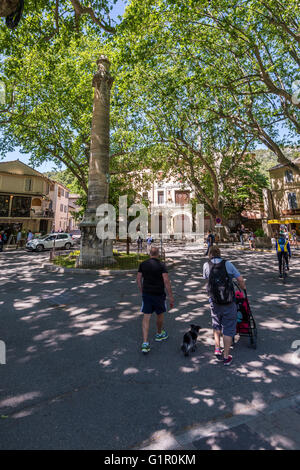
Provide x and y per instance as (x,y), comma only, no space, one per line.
(76,235)
(61,240)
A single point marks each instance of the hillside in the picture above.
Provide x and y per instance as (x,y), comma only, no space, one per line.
(63,177)
(268,159)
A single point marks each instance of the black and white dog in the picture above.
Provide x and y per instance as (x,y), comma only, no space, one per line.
(190,340)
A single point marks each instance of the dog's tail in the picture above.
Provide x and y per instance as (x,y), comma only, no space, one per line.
(185,349)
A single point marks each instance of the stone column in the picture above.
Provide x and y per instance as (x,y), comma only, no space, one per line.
(95,252)
(7,7)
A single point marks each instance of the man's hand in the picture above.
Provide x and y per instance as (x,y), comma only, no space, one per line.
(241,282)
(169,289)
(140,282)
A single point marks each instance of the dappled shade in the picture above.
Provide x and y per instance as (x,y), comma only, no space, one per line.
(74,361)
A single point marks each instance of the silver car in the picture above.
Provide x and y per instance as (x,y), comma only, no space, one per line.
(57,240)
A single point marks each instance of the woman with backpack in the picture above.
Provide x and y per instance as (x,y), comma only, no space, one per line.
(223,307)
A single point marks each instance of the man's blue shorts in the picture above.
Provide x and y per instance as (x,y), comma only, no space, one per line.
(154,303)
(224,318)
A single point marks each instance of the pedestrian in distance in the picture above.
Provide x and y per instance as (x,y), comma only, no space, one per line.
(286,234)
(210,241)
(139,241)
(149,241)
(251,241)
(1,241)
(283,249)
(29,236)
(152,281)
(18,239)
(294,238)
(241,234)
(220,290)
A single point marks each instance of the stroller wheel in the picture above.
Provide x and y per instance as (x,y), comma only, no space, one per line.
(253,339)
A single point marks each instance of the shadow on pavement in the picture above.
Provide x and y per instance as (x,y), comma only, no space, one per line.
(75,377)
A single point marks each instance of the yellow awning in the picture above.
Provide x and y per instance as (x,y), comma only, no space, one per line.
(284,221)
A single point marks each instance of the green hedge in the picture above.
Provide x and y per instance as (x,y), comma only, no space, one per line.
(123,261)
(259,233)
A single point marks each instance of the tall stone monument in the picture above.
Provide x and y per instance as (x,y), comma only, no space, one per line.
(7,7)
(95,252)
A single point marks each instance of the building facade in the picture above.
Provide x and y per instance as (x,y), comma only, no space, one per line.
(282,201)
(59,196)
(166,199)
(24,199)
(31,201)
(73,210)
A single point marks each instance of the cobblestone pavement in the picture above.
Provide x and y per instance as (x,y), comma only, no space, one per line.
(75,378)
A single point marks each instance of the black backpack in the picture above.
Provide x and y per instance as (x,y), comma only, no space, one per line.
(220,286)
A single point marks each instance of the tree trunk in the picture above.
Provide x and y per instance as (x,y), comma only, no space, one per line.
(128,245)
(94,251)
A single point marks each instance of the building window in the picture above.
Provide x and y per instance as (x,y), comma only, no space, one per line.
(67,195)
(292,198)
(21,206)
(28,184)
(160,197)
(61,208)
(36,202)
(4,206)
(62,192)
(288,176)
(182,197)
(65,208)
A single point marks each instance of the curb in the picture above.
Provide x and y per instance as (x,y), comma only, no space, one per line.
(266,250)
(49,267)
(184,440)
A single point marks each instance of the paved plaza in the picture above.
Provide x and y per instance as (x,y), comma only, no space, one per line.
(75,378)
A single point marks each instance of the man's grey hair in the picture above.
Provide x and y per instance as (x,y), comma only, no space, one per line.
(154,251)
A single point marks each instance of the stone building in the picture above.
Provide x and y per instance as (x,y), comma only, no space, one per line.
(73,210)
(169,197)
(59,196)
(31,201)
(282,201)
(24,199)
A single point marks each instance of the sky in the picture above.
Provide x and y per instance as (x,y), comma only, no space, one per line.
(118,10)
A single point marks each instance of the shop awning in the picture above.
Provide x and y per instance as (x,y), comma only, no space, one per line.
(285,221)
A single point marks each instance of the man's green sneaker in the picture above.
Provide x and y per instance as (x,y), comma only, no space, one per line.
(161,336)
(145,348)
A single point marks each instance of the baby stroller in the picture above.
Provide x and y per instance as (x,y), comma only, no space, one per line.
(246,324)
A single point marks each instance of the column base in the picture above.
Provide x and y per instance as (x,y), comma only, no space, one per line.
(94,252)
